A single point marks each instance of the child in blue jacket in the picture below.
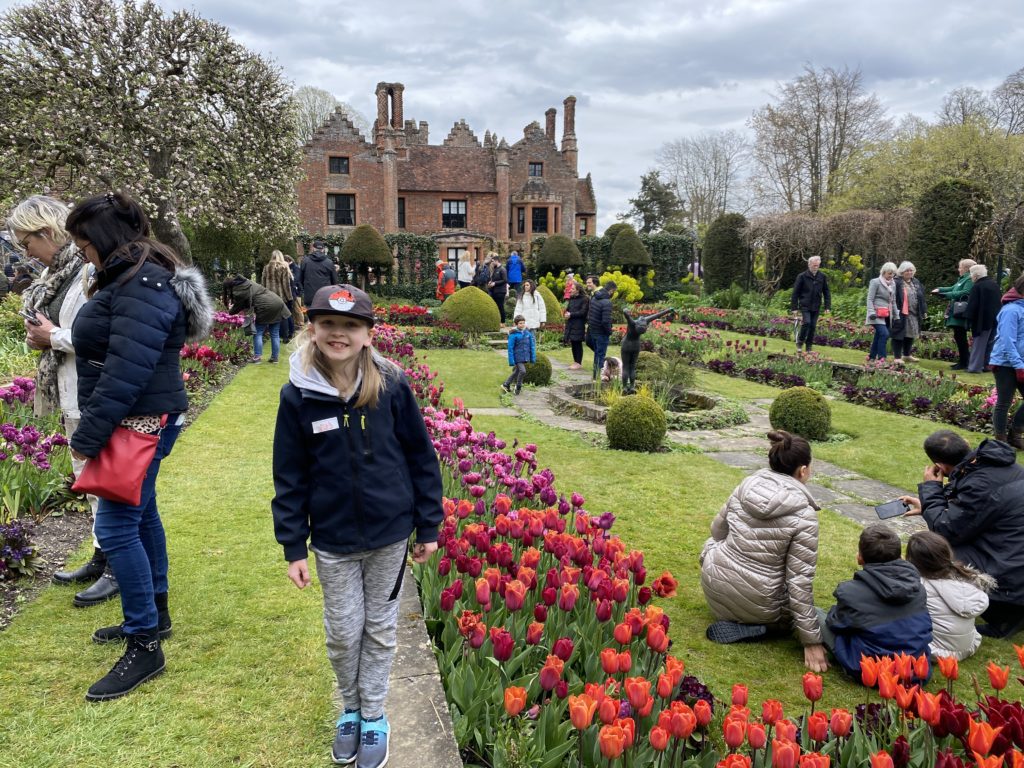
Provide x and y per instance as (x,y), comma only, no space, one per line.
(355,475)
(521,350)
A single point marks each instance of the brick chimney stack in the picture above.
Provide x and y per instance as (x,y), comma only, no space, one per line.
(549,123)
(397,121)
(569,149)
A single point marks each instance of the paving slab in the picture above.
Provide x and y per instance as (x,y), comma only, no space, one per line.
(831,470)
(826,496)
(859,513)
(740,459)
(495,412)
(868,490)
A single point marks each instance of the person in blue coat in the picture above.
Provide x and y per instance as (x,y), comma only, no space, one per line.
(514,268)
(522,349)
(144,306)
(1007,361)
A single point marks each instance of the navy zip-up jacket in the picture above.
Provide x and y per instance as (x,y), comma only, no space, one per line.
(348,479)
(881,611)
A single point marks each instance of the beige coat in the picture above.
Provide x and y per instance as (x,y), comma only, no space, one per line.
(758,565)
(278,279)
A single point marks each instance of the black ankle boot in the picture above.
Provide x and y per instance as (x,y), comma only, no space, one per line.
(142,660)
(91,571)
(115,634)
(104,589)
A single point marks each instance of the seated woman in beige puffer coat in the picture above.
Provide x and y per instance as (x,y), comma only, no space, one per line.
(757,569)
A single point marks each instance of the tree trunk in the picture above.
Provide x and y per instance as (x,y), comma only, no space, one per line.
(166,226)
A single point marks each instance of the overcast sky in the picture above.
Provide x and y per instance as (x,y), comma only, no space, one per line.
(643,72)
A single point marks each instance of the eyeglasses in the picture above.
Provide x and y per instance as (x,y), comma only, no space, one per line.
(23,243)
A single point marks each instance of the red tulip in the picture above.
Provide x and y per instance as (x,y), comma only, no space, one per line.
(812,686)
(881,759)
(609,661)
(608,710)
(581,711)
(665,686)
(625,661)
(540,612)
(683,721)
(786,729)
(603,610)
(757,736)
(628,726)
(665,585)
(1017,758)
(551,672)
(612,740)
(981,735)
(659,739)
(998,676)
(814,760)
(904,666)
(657,640)
(623,634)
(739,695)
(841,723)
(503,643)
(563,648)
(675,668)
(735,732)
(478,635)
(734,760)
(949,667)
(568,596)
(771,711)
(515,700)
(638,691)
(817,726)
(784,753)
(702,711)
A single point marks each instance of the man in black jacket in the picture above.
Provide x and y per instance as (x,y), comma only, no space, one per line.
(983,304)
(497,286)
(980,511)
(599,324)
(316,272)
(810,289)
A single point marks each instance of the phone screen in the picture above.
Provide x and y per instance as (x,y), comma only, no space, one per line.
(893,508)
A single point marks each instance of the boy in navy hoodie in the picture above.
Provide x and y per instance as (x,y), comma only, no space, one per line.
(883,609)
(521,350)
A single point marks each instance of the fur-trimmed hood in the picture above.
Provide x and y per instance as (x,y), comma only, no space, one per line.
(190,285)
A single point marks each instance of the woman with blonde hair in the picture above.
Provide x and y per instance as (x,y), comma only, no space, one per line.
(277,278)
(467,269)
(882,308)
(54,300)
(958,292)
(911,305)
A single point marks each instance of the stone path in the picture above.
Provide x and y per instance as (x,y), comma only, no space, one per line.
(744,447)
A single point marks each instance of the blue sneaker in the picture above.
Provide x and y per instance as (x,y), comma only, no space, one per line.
(346,740)
(373,743)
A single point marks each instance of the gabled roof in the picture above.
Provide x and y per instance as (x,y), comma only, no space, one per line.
(585,202)
(447,169)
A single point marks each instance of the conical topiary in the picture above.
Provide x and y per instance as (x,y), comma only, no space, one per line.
(557,253)
(628,250)
(366,246)
(614,230)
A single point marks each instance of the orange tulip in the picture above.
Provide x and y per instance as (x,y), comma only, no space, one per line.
(483,591)
(609,661)
(657,640)
(551,672)
(757,736)
(581,711)
(624,661)
(659,738)
(921,667)
(815,760)
(612,740)
(515,700)
(702,711)
(840,722)
(998,676)
(1016,758)
(682,721)
(771,711)
(675,667)
(981,735)
(949,667)
(739,695)
(1020,654)
(665,686)
(928,707)
(784,753)
(905,666)
(992,761)
(904,696)
(817,726)
(786,729)
(638,691)
(623,634)
(734,731)
(608,710)
(887,683)
(868,671)
(881,759)
(812,686)
(734,760)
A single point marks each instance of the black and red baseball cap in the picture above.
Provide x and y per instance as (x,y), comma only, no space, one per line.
(341,300)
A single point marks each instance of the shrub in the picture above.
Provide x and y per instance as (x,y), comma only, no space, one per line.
(627,289)
(635,423)
(802,411)
(538,373)
(366,246)
(650,367)
(557,252)
(19,556)
(727,298)
(628,251)
(614,231)
(552,306)
(943,226)
(725,253)
(472,310)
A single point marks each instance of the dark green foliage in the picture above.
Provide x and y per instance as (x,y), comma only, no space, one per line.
(628,251)
(635,423)
(364,245)
(552,306)
(557,253)
(802,411)
(406,280)
(650,367)
(472,310)
(538,373)
(943,226)
(615,230)
(727,298)
(725,253)
(228,249)
(656,206)
(671,255)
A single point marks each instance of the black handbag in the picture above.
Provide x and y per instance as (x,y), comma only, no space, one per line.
(959,310)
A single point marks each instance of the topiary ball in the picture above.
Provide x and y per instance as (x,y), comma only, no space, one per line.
(552,306)
(538,373)
(472,310)
(802,411)
(650,367)
(635,423)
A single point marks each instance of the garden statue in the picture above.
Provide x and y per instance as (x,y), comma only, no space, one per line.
(635,328)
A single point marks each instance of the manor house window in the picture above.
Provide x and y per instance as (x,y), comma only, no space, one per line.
(536,169)
(453,214)
(341,210)
(338,165)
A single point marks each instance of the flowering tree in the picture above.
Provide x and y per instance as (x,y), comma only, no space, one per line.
(100,95)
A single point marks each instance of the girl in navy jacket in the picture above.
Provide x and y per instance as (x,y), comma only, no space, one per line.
(355,474)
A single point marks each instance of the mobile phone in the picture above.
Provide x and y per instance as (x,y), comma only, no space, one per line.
(30,317)
(893,508)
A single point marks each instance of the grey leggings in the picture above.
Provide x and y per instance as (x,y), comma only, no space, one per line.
(361,596)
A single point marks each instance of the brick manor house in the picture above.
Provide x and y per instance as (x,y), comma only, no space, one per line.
(463,193)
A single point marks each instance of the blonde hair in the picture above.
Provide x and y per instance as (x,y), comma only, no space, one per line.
(40,213)
(375,370)
(276,257)
(966,263)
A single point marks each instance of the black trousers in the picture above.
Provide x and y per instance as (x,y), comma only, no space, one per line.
(962,349)
(500,301)
(807,329)
(577,351)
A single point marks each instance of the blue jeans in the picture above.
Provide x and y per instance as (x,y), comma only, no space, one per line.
(878,343)
(599,343)
(133,540)
(288,324)
(275,339)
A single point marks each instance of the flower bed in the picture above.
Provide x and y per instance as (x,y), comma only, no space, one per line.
(552,652)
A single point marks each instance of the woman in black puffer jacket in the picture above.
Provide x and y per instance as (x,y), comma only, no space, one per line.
(143,307)
(575,315)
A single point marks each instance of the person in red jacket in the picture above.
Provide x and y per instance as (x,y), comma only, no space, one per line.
(445,281)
